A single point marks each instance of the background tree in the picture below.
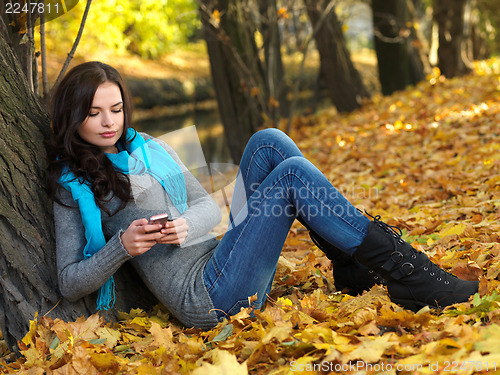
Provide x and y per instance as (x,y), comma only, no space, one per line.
(28,276)
(399,61)
(237,72)
(21,37)
(342,80)
(274,71)
(452,55)
(484,33)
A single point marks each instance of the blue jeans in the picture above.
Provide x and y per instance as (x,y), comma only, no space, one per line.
(275,184)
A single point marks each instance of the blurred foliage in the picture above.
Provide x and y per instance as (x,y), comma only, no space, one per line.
(147,28)
(151,28)
(489,22)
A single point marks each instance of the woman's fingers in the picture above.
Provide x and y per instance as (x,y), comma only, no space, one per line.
(175,232)
(141,236)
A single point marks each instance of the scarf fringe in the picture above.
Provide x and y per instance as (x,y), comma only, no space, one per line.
(106,295)
(176,183)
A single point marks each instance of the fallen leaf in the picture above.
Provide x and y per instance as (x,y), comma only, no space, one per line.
(224,363)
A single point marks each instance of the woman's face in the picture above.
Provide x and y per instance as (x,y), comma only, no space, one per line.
(104,123)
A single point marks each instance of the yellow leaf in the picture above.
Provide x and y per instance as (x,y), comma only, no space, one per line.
(369,329)
(371,349)
(452,229)
(112,336)
(224,363)
(143,322)
(254,91)
(273,102)
(147,369)
(103,360)
(216,16)
(81,329)
(82,363)
(127,337)
(163,338)
(280,333)
(284,302)
(28,338)
(282,13)
(33,357)
(490,341)
(317,333)
(377,296)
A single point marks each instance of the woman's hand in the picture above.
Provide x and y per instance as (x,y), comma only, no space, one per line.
(140,236)
(174,232)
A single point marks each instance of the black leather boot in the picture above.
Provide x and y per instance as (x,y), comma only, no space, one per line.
(349,275)
(413,281)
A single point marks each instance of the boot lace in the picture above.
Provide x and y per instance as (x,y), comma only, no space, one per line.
(433,269)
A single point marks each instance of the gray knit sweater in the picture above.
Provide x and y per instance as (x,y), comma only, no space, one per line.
(173,273)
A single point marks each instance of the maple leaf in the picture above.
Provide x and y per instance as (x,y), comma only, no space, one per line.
(111,336)
(372,348)
(82,329)
(224,363)
(163,337)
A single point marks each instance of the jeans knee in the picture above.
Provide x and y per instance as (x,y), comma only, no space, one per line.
(268,135)
(301,173)
(296,163)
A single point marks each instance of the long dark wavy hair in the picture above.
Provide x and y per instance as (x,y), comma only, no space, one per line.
(70,107)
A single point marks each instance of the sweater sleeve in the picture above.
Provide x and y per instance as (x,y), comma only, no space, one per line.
(77,276)
(203,213)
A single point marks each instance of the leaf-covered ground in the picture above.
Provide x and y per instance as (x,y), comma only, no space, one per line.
(427,160)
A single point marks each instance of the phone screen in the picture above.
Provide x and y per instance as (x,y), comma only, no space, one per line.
(159,219)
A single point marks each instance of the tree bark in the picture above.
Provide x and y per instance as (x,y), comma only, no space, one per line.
(28,276)
(274,71)
(399,61)
(342,80)
(452,57)
(236,70)
(17,35)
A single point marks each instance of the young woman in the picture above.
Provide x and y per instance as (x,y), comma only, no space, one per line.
(107,180)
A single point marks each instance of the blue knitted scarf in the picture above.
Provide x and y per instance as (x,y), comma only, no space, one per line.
(136,157)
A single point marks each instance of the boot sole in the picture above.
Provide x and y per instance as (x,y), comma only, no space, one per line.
(412,305)
(351,291)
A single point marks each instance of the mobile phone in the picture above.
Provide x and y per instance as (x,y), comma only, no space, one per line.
(159,219)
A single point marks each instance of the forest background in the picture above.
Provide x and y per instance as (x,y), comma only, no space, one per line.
(175,55)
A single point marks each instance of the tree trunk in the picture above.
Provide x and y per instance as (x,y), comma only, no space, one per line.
(28,277)
(274,71)
(342,80)
(419,48)
(399,61)
(449,16)
(18,35)
(237,74)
